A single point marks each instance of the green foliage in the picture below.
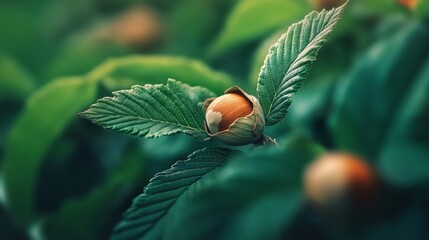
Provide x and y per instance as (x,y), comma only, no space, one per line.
(264,184)
(381,6)
(8,227)
(407,224)
(254,196)
(252,19)
(18,39)
(289,61)
(80,55)
(367,101)
(15,82)
(193,41)
(166,188)
(311,105)
(88,216)
(45,116)
(407,143)
(260,55)
(377,110)
(153,110)
(422,9)
(121,73)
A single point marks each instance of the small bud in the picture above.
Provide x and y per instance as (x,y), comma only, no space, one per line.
(235,118)
(340,183)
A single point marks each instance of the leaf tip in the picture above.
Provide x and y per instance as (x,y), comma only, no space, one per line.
(85,114)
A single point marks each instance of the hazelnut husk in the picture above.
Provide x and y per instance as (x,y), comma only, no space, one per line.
(235,118)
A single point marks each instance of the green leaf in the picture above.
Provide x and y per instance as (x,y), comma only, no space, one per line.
(79,55)
(22,40)
(15,82)
(260,55)
(122,73)
(404,160)
(422,9)
(311,108)
(367,100)
(166,188)
(253,196)
(408,223)
(152,110)
(377,7)
(197,94)
(9,228)
(289,62)
(46,114)
(252,19)
(193,41)
(87,217)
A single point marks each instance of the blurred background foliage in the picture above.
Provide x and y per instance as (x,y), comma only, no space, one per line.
(65,178)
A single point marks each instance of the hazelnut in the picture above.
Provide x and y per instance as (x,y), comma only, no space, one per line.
(339,181)
(235,118)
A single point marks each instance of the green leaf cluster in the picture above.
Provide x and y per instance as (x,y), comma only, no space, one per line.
(377,109)
(34,132)
(238,191)
(165,189)
(385,96)
(51,110)
(158,110)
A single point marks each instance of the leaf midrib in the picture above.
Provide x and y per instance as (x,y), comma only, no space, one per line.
(183,193)
(317,37)
(153,224)
(123,116)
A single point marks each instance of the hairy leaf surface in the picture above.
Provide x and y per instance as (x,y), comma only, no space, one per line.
(253,196)
(165,189)
(152,110)
(289,61)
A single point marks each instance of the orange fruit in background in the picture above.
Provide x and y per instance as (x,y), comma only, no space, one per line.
(339,180)
(410,4)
